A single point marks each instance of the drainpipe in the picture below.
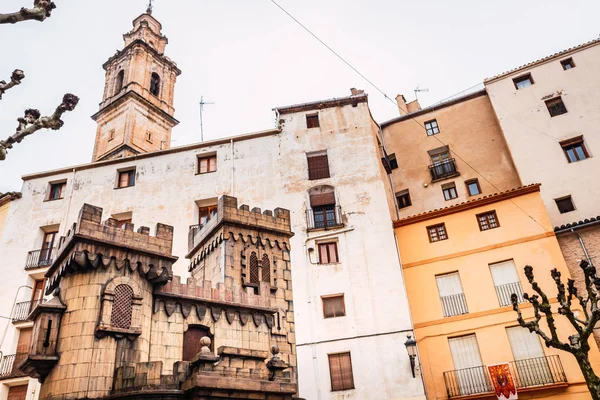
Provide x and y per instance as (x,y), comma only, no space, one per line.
(587,255)
(310,321)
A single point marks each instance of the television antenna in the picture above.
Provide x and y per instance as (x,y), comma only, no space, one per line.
(149,9)
(202,104)
(419,90)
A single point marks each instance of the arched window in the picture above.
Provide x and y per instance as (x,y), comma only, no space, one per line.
(119,83)
(122,307)
(254,268)
(266,269)
(155,84)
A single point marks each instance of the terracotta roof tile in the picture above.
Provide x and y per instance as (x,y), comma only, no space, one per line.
(577,224)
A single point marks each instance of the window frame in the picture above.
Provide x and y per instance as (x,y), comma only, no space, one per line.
(487,215)
(318,172)
(443,225)
(310,121)
(148,136)
(62,189)
(131,180)
(560,199)
(572,143)
(432,128)
(111,135)
(208,157)
(449,186)
(331,297)
(556,100)
(155,84)
(325,246)
(475,181)
(406,195)
(348,387)
(523,78)
(567,61)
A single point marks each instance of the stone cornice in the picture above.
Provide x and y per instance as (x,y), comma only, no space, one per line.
(140,42)
(317,105)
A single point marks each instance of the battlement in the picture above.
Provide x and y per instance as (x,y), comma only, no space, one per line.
(276,221)
(89,224)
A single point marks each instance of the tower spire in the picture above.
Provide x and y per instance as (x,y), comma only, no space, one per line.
(149,9)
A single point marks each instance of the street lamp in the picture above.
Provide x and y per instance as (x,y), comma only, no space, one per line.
(411,348)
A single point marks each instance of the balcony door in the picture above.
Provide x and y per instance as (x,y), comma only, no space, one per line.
(38,293)
(17,392)
(470,372)
(47,246)
(531,364)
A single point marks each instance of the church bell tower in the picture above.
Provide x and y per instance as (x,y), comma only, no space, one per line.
(136,113)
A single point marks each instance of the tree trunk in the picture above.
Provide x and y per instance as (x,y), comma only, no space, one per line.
(592,380)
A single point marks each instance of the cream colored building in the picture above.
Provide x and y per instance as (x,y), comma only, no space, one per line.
(350,308)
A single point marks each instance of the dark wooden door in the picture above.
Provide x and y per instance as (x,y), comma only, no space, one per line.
(191,341)
(24,341)
(17,392)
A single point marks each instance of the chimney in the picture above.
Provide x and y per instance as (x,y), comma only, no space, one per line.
(356,92)
(413,106)
(401,104)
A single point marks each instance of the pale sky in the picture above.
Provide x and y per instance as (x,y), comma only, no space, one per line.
(247,56)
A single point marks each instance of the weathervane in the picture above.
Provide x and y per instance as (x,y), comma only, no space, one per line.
(149,9)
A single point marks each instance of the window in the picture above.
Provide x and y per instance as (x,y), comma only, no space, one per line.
(403,199)
(122,223)
(471,376)
(565,204)
(122,307)
(506,280)
(442,166)
(340,370)
(312,121)
(318,165)
(530,364)
(333,306)
(390,162)
(155,84)
(17,392)
(47,249)
(324,212)
(574,149)
(119,82)
(111,135)
(556,107)
(567,64)
(437,232)
(522,82)
(432,127)
(149,137)
(449,190)
(473,187)
(328,253)
(206,213)
(451,295)
(126,178)
(487,221)
(207,164)
(254,270)
(57,190)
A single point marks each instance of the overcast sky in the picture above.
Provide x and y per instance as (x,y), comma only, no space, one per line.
(247,56)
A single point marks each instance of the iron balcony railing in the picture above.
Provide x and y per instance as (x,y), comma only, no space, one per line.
(324,217)
(9,366)
(442,170)
(528,373)
(40,258)
(22,310)
(505,292)
(455,304)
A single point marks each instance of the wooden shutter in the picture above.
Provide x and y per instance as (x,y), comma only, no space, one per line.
(333,306)
(318,166)
(328,253)
(212,164)
(325,199)
(191,341)
(17,392)
(340,369)
(266,269)
(254,268)
(38,290)
(24,343)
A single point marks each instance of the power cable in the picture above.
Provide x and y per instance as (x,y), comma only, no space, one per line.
(397,105)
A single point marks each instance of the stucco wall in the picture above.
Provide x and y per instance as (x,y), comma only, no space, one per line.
(533,136)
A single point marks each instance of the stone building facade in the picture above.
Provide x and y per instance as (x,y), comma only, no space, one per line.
(120,325)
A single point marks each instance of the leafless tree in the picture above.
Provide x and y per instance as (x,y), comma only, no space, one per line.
(40,11)
(568,299)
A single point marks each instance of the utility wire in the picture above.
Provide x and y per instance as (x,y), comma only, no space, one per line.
(397,105)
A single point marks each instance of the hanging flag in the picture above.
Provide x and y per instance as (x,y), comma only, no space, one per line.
(503,382)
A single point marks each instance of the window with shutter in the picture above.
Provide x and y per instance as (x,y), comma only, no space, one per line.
(451,294)
(312,121)
(126,178)
(506,281)
(17,392)
(122,308)
(470,372)
(530,361)
(207,164)
(254,278)
(328,253)
(340,370)
(266,269)
(333,306)
(318,165)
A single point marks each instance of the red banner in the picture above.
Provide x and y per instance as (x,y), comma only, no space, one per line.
(503,382)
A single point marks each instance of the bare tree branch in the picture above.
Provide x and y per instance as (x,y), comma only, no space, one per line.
(33,121)
(15,79)
(40,11)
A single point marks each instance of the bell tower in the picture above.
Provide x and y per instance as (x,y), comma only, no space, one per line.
(136,113)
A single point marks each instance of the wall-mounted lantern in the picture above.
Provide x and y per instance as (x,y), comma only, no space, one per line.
(411,348)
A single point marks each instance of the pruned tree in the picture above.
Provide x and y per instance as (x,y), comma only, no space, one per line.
(15,79)
(33,122)
(40,11)
(568,298)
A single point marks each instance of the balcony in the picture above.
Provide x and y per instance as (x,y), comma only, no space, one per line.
(529,374)
(22,310)
(324,217)
(504,293)
(9,366)
(443,170)
(40,258)
(455,304)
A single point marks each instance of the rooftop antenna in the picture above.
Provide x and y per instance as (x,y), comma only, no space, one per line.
(418,90)
(149,9)
(202,103)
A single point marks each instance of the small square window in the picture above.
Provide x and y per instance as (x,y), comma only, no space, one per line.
(437,232)
(312,121)
(432,127)
(207,164)
(567,64)
(333,306)
(522,82)
(126,178)
(318,165)
(487,221)
(328,253)
(574,149)
(340,371)
(449,191)
(403,198)
(473,187)
(149,137)
(556,107)
(57,190)
(565,204)
(111,135)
